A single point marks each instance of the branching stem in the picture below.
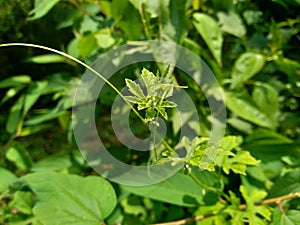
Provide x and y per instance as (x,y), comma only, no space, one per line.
(241,207)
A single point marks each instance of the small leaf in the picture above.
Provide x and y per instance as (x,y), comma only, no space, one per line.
(266,98)
(150,114)
(232,24)
(239,162)
(18,154)
(162,112)
(211,34)
(134,88)
(35,90)
(133,99)
(245,67)
(167,104)
(86,45)
(41,8)
(150,81)
(231,142)
(104,38)
(47,58)
(7,178)
(15,116)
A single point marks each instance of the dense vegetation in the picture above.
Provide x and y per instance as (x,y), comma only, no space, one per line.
(250,176)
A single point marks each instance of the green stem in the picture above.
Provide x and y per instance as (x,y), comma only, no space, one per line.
(81,63)
(202,185)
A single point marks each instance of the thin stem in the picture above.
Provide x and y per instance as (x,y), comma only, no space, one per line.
(81,63)
(241,207)
(202,185)
(144,21)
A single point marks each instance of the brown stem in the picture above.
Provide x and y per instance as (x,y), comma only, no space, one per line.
(241,207)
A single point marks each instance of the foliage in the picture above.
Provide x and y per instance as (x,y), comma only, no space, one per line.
(250,177)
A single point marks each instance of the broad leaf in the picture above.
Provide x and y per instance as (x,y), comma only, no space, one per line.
(245,67)
(211,34)
(70,199)
(172,191)
(41,8)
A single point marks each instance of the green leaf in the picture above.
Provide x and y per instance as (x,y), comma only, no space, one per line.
(15,119)
(150,114)
(134,88)
(71,199)
(231,23)
(266,99)
(289,183)
(52,163)
(18,154)
(15,81)
(86,45)
(35,90)
(231,142)
(127,18)
(26,131)
(168,104)
(23,201)
(211,34)
(246,110)
(47,58)
(173,19)
(7,178)
(245,67)
(270,146)
(292,217)
(41,8)
(238,163)
(151,82)
(171,191)
(104,38)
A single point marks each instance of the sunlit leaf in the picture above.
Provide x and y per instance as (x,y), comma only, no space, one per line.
(210,32)
(134,88)
(232,23)
(245,67)
(247,110)
(41,8)
(48,58)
